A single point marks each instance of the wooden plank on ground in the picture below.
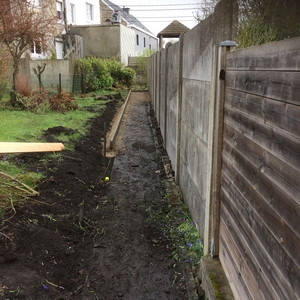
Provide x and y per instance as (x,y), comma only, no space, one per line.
(11,147)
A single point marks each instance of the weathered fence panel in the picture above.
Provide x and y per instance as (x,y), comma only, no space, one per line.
(260,189)
(183,100)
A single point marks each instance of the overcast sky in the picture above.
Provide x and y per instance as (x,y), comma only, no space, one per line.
(158,14)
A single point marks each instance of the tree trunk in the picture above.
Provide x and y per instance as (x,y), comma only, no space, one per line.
(13,96)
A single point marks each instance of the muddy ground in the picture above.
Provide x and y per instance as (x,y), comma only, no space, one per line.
(83,238)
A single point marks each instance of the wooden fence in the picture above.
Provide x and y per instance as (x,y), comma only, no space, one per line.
(260,177)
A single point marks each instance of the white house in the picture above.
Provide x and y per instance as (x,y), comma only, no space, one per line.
(96,28)
(72,13)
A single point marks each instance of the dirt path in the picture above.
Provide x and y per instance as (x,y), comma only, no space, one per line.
(82,239)
(144,260)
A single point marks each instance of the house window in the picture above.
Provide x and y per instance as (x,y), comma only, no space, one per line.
(137,39)
(144,42)
(150,46)
(35,47)
(72,13)
(89,12)
(59,11)
(36,3)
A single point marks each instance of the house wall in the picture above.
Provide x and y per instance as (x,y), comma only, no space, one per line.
(101,41)
(145,41)
(127,36)
(116,41)
(80,11)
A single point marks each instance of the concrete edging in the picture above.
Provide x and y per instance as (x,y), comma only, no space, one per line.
(116,126)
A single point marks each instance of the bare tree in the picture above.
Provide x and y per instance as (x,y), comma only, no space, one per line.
(263,21)
(23,23)
(206,7)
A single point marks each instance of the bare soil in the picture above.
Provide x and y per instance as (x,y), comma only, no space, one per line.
(84,238)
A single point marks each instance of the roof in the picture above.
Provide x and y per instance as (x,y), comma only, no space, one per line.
(173,30)
(127,17)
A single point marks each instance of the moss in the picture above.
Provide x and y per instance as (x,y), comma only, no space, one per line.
(216,287)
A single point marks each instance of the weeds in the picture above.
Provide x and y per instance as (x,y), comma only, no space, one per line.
(187,244)
(63,102)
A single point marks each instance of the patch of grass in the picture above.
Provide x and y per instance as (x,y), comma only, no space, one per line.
(25,126)
(185,236)
(21,125)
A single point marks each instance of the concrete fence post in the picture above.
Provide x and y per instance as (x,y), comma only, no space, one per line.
(218,146)
(166,97)
(157,86)
(179,110)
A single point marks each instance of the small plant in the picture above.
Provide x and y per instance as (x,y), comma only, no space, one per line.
(63,102)
(128,76)
(34,102)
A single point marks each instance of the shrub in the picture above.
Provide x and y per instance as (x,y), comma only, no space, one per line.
(33,102)
(128,76)
(5,62)
(103,73)
(5,86)
(63,102)
(96,74)
(120,73)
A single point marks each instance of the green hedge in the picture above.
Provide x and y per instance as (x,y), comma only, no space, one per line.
(102,73)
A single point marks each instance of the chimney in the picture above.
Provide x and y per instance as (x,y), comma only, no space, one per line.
(126,10)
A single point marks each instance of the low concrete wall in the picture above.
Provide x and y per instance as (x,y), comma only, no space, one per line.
(50,78)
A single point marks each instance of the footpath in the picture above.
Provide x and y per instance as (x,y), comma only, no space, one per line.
(137,242)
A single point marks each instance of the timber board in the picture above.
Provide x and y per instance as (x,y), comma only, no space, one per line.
(277,212)
(242,259)
(285,117)
(20,147)
(281,86)
(231,267)
(280,55)
(273,283)
(284,175)
(237,186)
(283,146)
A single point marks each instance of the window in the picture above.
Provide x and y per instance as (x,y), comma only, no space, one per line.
(59,11)
(36,3)
(144,42)
(72,13)
(35,47)
(150,46)
(89,12)
(137,39)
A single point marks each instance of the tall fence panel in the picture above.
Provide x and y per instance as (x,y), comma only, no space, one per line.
(260,189)
(171,103)
(181,90)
